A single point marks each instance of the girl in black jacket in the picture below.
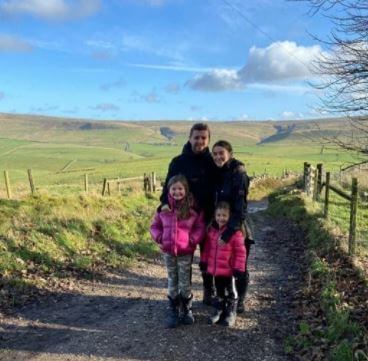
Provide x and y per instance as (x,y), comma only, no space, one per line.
(231,185)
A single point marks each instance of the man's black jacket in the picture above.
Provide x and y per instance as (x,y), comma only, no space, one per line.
(199,169)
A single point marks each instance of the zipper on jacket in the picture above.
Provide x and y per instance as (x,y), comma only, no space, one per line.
(174,235)
(218,233)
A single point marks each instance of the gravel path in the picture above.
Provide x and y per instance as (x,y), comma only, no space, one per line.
(120,316)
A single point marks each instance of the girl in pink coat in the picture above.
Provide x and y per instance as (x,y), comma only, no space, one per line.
(225,261)
(178,229)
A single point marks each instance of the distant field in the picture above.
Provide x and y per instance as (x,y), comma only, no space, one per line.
(60,151)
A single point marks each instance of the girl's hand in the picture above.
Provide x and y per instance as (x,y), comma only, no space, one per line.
(165,208)
(221,242)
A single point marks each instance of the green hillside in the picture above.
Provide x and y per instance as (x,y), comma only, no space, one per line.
(60,150)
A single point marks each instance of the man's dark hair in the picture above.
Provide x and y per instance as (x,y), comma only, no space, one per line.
(200,126)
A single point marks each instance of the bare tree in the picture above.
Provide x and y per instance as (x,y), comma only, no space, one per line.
(343,69)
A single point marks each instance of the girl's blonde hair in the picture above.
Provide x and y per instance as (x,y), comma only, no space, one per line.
(187,202)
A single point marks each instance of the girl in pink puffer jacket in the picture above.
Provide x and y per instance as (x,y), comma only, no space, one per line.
(178,229)
(225,261)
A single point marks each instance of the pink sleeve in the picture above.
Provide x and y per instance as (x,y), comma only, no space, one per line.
(156,229)
(198,230)
(238,252)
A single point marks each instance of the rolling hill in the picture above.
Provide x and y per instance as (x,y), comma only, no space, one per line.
(61,150)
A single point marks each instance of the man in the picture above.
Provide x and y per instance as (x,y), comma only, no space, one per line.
(196,164)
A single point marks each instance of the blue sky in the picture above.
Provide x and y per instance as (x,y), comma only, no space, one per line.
(159,59)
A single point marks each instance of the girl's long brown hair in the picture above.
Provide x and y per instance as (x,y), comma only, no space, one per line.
(187,202)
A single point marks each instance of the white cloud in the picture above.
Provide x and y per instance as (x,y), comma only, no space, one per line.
(116,84)
(155,2)
(105,107)
(172,88)
(217,80)
(319,112)
(151,97)
(44,109)
(288,115)
(151,2)
(49,45)
(100,44)
(9,43)
(51,9)
(243,117)
(182,68)
(153,45)
(277,88)
(281,61)
(195,108)
(101,55)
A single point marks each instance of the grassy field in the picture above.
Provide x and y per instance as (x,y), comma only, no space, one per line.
(60,151)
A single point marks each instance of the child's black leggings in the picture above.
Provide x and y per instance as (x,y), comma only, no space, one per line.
(225,287)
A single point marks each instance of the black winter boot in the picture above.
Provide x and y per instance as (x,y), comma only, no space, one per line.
(172,318)
(208,288)
(230,312)
(219,304)
(186,316)
(242,288)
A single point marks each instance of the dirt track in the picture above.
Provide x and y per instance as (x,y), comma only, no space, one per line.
(120,316)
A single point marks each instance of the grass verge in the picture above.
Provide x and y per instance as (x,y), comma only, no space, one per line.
(333,304)
(45,240)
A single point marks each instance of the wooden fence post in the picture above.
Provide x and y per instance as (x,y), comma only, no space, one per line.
(30,178)
(86,183)
(104,186)
(154,181)
(150,185)
(353,214)
(118,185)
(108,189)
(306,164)
(145,183)
(309,180)
(7,183)
(327,193)
(319,180)
(315,183)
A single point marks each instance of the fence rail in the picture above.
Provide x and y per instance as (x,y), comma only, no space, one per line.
(149,183)
(313,186)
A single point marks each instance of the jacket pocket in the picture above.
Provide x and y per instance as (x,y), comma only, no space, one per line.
(183,242)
